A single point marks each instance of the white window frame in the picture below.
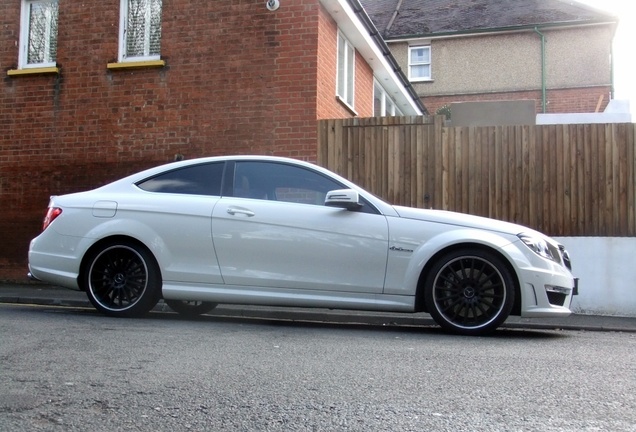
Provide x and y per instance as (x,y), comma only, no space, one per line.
(123,29)
(387,107)
(25,35)
(345,71)
(413,63)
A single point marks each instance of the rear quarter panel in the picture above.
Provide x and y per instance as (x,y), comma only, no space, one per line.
(175,228)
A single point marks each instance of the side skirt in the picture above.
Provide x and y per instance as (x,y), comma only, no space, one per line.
(266,296)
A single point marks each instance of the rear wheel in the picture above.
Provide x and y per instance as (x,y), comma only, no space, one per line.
(469,292)
(190,308)
(123,280)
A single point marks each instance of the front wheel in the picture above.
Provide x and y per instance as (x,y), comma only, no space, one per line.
(469,292)
(122,280)
(190,308)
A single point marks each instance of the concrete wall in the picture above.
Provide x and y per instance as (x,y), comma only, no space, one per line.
(583,118)
(606,267)
(500,113)
(617,111)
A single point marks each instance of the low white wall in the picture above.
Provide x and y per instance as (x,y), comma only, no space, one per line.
(617,111)
(606,267)
(585,118)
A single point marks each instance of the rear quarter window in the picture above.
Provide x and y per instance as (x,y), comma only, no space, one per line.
(203,179)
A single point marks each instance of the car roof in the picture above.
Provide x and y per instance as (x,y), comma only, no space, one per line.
(210,159)
(384,207)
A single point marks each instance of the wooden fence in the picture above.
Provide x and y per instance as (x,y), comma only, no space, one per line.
(564,180)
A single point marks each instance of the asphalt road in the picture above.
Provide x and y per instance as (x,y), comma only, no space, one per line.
(72,369)
(42,294)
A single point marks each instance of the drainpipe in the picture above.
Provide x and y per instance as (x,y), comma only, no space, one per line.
(612,69)
(543,72)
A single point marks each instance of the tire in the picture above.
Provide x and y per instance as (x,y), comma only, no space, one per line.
(122,280)
(469,292)
(190,308)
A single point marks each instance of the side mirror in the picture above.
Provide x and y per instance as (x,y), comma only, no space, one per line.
(343,198)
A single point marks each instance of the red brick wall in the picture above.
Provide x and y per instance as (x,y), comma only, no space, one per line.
(327,104)
(578,100)
(364,87)
(238,79)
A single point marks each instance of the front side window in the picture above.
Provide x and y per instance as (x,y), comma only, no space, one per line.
(38,37)
(420,63)
(281,182)
(346,70)
(140,30)
(273,181)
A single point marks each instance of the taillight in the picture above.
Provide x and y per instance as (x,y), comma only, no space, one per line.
(51,214)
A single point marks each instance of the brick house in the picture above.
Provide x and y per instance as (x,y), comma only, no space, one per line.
(557,53)
(94,91)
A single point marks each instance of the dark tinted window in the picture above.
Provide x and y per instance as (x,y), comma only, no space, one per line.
(281,182)
(203,179)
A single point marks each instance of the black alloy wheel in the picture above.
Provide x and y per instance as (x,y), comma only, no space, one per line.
(469,292)
(123,280)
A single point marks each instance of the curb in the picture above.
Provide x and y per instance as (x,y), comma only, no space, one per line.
(574,322)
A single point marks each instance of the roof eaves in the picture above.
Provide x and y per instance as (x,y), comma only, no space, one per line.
(494,30)
(351,17)
(386,52)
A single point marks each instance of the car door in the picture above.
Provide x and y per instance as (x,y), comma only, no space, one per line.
(276,232)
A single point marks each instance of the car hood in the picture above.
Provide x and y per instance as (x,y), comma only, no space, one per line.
(462,219)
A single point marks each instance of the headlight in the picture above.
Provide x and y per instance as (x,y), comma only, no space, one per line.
(538,246)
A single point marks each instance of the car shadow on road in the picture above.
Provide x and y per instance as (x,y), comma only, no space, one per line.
(426,328)
(388,326)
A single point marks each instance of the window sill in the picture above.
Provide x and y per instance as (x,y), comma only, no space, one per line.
(346,105)
(34,71)
(136,64)
(422,80)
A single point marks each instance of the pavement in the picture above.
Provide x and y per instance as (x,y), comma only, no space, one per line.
(41,294)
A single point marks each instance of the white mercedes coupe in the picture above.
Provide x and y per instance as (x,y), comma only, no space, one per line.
(275,231)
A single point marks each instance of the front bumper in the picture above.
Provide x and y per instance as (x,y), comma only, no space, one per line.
(547,286)
(546,295)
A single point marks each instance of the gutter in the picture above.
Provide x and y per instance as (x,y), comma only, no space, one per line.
(612,69)
(497,30)
(543,70)
(386,52)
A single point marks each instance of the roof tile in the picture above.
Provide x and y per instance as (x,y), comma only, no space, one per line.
(433,17)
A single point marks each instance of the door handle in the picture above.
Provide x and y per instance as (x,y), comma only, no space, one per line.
(234,211)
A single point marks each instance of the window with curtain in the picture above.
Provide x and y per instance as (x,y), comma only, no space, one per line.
(420,63)
(140,30)
(38,34)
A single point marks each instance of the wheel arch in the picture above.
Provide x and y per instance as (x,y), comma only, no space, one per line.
(419,296)
(100,244)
